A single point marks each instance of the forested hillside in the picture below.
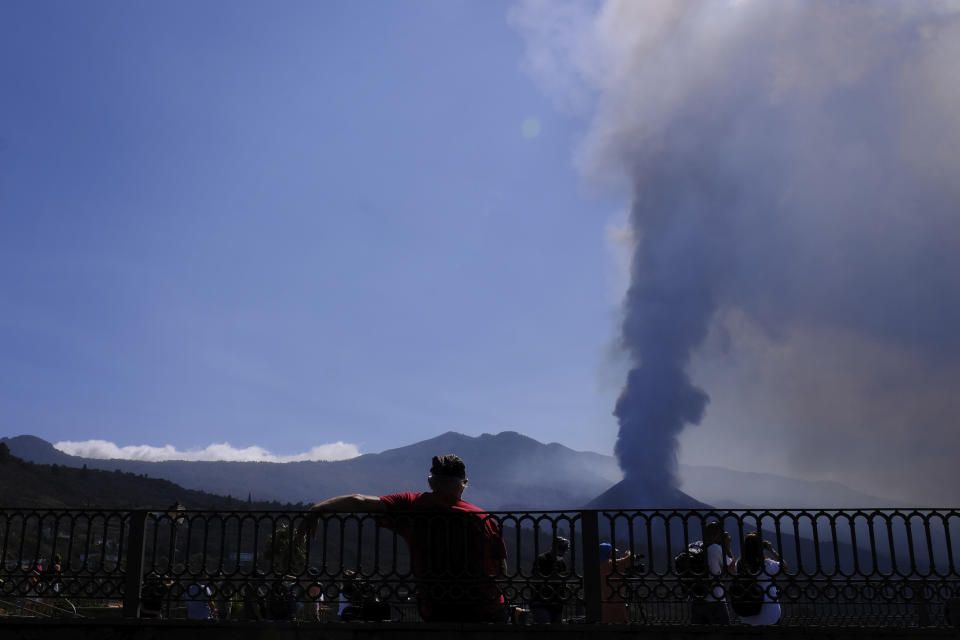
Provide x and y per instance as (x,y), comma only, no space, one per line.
(26,484)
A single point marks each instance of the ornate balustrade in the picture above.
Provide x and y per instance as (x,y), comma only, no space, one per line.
(875,567)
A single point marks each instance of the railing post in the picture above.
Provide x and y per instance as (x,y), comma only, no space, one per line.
(919,589)
(590,521)
(136,543)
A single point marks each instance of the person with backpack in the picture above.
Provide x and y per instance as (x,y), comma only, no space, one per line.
(550,572)
(753,595)
(708,560)
(153,593)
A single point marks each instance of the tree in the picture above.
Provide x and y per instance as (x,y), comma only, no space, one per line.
(284,549)
(4,452)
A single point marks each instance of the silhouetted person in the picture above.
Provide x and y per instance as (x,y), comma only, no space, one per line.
(222,596)
(311,610)
(32,584)
(358,600)
(549,572)
(612,570)
(456,550)
(199,600)
(152,595)
(254,593)
(754,564)
(52,579)
(711,608)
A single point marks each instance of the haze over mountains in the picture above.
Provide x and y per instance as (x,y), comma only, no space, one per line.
(507,471)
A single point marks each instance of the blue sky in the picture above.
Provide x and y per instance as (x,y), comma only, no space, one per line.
(289,225)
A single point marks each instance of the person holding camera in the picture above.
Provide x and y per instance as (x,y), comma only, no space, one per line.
(712,607)
(614,609)
(755,570)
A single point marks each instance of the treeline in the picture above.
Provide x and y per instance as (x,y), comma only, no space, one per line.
(30,485)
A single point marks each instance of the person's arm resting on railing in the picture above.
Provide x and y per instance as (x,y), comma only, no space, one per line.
(353,503)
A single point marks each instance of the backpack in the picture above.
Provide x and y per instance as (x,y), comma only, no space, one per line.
(690,566)
(746,594)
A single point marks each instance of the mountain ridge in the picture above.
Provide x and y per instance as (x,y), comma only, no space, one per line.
(507,470)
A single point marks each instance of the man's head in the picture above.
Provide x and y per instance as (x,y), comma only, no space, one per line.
(448,475)
(560,545)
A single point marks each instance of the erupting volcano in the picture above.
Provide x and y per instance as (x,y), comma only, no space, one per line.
(667,311)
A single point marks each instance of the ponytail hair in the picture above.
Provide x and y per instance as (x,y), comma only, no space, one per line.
(752,558)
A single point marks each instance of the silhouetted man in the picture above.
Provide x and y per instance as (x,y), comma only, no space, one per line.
(456,550)
(712,607)
(550,571)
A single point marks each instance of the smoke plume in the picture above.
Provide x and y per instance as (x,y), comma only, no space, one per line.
(792,169)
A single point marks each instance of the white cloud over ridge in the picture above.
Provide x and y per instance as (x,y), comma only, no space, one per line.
(224,451)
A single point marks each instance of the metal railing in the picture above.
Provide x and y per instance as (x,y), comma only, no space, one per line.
(871,567)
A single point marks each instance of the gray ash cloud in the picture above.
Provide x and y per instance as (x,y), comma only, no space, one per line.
(792,164)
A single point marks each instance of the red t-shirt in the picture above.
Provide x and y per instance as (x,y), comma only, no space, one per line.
(455,552)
